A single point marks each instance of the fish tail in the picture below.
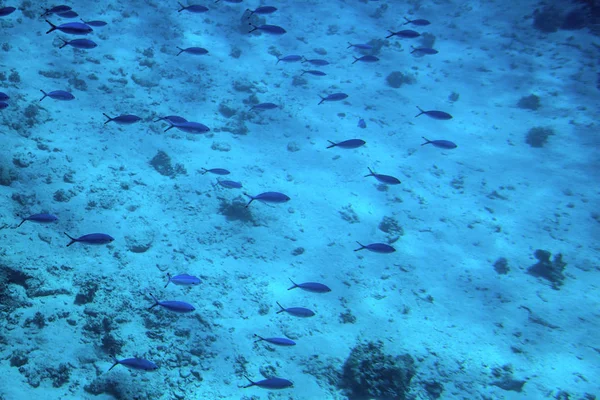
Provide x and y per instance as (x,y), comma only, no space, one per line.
(73,240)
(169,128)
(180,50)
(109,118)
(251,12)
(322,99)
(362,246)
(420,113)
(371,173)
(280,306)
(155,301)
(45,95)
(251,199)
(52,27)
(182,7)
(355,59)
(349,45)
(253,27)
(408,21)
(65,42)
(293,283)
(116,362)
(427,141)
(259,338)
(169,281)
(249,380)
(24,219)
(332,144)
(390,35)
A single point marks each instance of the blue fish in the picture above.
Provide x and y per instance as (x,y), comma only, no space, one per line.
(296,311)
(3,105)
(73,28)
(189,127)
(276,341)
(58,95)
(42,218)
(333,97)
(55,10)
(194,9)
(423,51)
(264,10)
(441,115)
(360,46)
(4,11)
(92,238)
(406,34)
(125,119)
(95,23)
(68,14)
(229,184)
(347,144)
(264,106)
(135,363)
(417,22)
(183,280)
(270,29)
(78,43)
(387,179)
(172,119)
(376,248)
(442,144)
(362,124)
(268,197)
(270,383)
(216,171)
(313,72)
(318,62)
(173,305)
(290,58)
(198,51)
(314,287)
(365,59)
(4,96)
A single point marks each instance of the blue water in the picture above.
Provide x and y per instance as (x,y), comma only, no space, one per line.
(475,277)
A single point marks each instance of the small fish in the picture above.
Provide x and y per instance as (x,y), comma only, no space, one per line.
(68,14)
(173,305)
(264,106)
(270,383)
(314,287)
(197,51)
(125,119)
(275,341)
(313,72)
(4,96)
(189,127)
(216,171)
(333,97)
(78,43)
(377,248)
(417,22)
(172,119)
(442,144)
(183,280)
(316,61)
(290,58)
(135,363)
(194,9)
(441,115)
(387,179)
(296,311)
(362,124)
(3,105)
(360,46)
(264,10)
(270,29)
(55,10)
(268,197)
(4,11)
(230,184)
(348,144)
(42,218)
(423,51)
(405,34)
(365,59)
(95,24)
(58,95)
(73,28)
(92,238)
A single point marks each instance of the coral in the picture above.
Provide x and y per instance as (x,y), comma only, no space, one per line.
(550,270)
(547,20)
(370,373)
(538,136)
(501,266)
(531,102)
(396,79)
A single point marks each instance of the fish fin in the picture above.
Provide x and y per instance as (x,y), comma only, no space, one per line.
(349,45)
(408,21)
(169,128)
(169,281)
(180,50)
(251,199)
(390,35)
(45,95)
(332,144)
(293,283)
(362,246)
(355,59)
(322,100)
(65,42)
(109,118)
(73,240)
(259,338)
(182,7)
(52,27)
(253,27)
(371,173)
(156,301)
(420,113)
(427,141)
(247,386)
(24,219)
(280,306)
(116,362)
